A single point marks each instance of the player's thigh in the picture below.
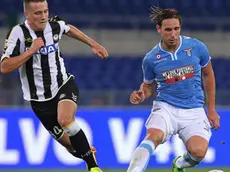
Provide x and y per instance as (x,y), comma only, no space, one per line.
(196,124)
(46,112)
(159,122)
(67,102)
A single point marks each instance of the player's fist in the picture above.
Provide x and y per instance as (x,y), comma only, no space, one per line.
(137,97)
(214,119)
(37,44)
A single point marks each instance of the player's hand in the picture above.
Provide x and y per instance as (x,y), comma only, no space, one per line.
(37,44)
(214,119)
(100,51)
(137,97)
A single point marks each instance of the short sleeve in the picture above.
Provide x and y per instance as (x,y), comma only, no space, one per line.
(64,27)
(204,54)
(148,72)
(12,43)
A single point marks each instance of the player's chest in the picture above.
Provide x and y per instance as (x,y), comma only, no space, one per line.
(182,60)
(50,43)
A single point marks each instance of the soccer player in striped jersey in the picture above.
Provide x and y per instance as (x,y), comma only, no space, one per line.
(33,48)
(177,69)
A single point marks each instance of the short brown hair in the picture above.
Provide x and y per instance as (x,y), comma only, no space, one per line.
(158,15)
(26,2)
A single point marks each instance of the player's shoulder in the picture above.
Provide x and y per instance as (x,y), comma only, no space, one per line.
(15,28)
(153,53)
(15,31)
(191,41)
(55,19)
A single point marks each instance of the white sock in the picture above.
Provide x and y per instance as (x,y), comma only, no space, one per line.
(187,160)
(141,156)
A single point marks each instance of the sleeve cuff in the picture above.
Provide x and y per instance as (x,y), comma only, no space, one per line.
(148,81)
(66,29)
(206,63)
(3,57)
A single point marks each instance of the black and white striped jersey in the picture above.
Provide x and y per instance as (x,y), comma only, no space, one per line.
(44,73)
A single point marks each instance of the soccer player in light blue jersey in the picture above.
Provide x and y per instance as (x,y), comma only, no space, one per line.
(179,70)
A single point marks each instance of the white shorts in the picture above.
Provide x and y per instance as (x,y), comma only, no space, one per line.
(184,122)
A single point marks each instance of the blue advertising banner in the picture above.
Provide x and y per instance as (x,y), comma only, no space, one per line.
(24,143)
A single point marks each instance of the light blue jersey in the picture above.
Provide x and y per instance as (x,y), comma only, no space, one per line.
(178,75)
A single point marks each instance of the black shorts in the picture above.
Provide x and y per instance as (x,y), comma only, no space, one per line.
(47,111)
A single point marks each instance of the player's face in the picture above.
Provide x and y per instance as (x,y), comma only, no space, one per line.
(170,31)
(37,15)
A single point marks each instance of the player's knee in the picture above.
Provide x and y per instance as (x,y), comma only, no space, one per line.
(72,128)
(64,121)
(155,135)
(198,151)
(197,147)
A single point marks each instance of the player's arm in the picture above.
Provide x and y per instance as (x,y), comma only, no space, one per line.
(209,85)
(145,91)
(10,63)
(79,35)
(210,91)
(147,88)
(208,75)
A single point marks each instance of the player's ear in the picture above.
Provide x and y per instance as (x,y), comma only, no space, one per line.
(158,27)
(26,14)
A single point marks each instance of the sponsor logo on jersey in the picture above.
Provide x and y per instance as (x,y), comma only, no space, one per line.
(178,74)
(29,40)
(47,49)
(158,56)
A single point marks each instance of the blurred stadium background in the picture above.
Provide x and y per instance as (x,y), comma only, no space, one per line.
(111,123)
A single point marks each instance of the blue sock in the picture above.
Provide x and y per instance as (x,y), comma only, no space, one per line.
(141,156)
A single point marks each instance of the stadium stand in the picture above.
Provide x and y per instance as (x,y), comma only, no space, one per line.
(108,82)
(118,76)
(129,14)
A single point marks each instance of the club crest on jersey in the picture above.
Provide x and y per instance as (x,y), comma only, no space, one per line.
(188,51)
(55,37)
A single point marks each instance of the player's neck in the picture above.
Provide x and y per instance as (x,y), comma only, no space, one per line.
(34,28)
(170,48)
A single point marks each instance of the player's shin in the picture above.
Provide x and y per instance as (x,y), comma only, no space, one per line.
(187,161)
(141,156)
(80,144)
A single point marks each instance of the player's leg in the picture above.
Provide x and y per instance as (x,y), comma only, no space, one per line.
(67,107)
(47,114)
(196,135)
(196,150)
(143,152)
(157,133)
